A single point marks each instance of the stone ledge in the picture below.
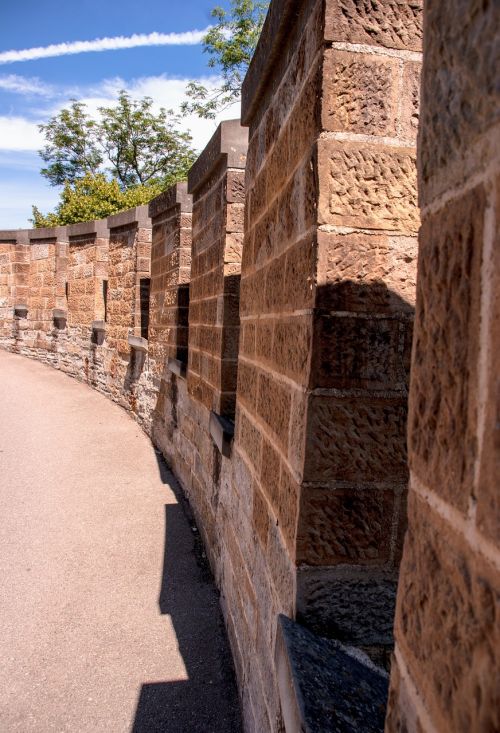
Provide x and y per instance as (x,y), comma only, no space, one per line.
(269,48)
(222,433)
(138,215)
(230,142)
(16,236)
(176,195)
(138,343)
(178,367)
(325,686)
(98,227)
(60,234)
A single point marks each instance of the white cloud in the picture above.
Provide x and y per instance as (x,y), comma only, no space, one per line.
(188,38)
(21,133)
(24,85)
(18,133)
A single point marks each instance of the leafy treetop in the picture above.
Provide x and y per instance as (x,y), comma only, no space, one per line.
(230,44)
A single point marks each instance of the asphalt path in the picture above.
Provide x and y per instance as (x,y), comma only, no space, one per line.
(109,619)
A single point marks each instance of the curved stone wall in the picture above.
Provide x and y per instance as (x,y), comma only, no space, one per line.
(257,321)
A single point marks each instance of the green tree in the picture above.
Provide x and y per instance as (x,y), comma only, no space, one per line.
(146,153)
(230,44)
(94,197)
(72,148)
(143,146)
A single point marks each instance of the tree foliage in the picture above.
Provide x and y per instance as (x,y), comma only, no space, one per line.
(72,148)
(143,146)
(230,44)
(145,151)
(94,197)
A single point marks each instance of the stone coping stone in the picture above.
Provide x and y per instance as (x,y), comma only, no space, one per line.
(229,142)
(138,215)
(222,433)
(326,687)
(60,234)
(176,366)
(98,227)
(98,325)
(176,195)
(269,48)
(138,343)
(17,236)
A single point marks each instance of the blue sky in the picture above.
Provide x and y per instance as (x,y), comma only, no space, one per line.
(36,84)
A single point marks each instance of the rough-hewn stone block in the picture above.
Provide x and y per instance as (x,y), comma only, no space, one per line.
(388,23)
(343,439)
(447,624)
(344,526)
(443,399)
(363,185)
(360,93)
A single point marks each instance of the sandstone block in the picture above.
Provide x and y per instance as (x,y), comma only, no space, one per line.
(364,185)
(448,608)
(343,441)
(274,402)
(387,23)
(359,352)
(345,526)
(443,399)
(459,105)
(410,100)
(360,93)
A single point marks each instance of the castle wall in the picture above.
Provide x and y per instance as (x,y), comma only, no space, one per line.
(446,669)
(258,321)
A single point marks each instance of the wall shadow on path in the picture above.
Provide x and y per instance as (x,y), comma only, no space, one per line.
(208,701)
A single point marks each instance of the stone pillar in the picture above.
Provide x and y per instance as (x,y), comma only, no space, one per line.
(171,216)
(86,283)
(129,262)
(128,312)
(48,259)
(216,182)
(447,664)
(327,292)
(14,283)
(87,270)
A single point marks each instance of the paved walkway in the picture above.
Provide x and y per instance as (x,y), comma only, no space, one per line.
(107,620)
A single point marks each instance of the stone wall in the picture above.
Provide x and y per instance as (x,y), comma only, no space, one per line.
(328,284)
(447,662)
(259,328)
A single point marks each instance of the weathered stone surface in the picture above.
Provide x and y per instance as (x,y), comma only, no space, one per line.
(461,102)
(443,398)
(410,100)
(367,186)
(488,496)
(325,686)
(354,605)
(359,352)
(448,624)
(273,406)
(388,23)
(360,93)
(343,439)
(344,526)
